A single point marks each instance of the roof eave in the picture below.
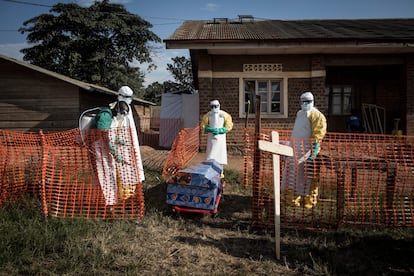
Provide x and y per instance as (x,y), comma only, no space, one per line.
(294,46)
(83,85)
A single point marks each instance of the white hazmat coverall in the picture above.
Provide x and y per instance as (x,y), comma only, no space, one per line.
(309,129)
(119,175)
(217,123)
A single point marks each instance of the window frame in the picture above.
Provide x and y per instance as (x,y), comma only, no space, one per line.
(344,96)
(283,100)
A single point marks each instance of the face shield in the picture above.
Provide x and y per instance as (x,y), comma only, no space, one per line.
(215,106)
(306,105)
(126,99)
(306,101)
(125,94)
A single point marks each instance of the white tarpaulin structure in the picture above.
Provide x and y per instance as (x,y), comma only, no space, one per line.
(178,111)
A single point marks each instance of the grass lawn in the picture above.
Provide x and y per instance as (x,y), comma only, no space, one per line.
(162,243)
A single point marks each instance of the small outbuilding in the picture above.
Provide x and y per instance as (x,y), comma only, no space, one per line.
(33,98)
(178,110)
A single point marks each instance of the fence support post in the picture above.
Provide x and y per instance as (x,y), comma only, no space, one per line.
(43,173)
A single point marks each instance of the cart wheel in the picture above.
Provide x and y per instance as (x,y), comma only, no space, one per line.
(175,213)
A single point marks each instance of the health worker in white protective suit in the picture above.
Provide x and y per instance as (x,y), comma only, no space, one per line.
(217,123)
(120,171)
(299,184)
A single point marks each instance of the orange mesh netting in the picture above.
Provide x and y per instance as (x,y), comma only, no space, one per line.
(357,179)
(183,150)
(20,167)
(93,175)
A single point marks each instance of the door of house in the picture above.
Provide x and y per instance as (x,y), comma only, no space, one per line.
(349,87)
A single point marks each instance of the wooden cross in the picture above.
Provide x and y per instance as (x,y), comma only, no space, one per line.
(277,149)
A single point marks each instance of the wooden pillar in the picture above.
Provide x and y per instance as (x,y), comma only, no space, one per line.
(256,163)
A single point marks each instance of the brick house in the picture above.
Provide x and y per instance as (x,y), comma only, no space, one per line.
(347,64)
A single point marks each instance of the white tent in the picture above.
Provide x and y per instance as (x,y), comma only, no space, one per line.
(178,111)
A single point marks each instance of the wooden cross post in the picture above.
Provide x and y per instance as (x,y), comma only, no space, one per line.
(277,149)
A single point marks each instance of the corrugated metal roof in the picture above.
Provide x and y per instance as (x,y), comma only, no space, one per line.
(344,29)
(81,84)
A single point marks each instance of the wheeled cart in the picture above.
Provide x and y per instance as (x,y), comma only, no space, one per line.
(197,189)
(184,209)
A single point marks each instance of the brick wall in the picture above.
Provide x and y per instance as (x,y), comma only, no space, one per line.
(235,63)
(226,90)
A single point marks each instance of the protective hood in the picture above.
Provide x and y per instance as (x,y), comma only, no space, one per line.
(306,106)
(125,94)
(306,96)
(215,106)
(306,101)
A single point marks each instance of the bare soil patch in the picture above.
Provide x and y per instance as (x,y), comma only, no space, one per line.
(155,159)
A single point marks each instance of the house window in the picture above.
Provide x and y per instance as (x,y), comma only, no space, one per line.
(338,99)
(271,96)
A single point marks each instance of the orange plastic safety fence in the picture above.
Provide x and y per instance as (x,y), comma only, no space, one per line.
(20,164)
(357,179)
(185,147)
(92,174)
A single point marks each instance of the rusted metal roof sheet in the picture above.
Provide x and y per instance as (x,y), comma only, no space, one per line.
(360,29)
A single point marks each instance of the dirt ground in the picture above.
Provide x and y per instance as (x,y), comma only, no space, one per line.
(155,158)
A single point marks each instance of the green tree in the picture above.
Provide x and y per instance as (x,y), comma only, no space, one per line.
(181,70)
(153,92)
(182,74)
(95,44)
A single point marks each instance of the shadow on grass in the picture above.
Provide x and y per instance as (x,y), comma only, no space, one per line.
(228,215)
(236,247)
(322,253)
(312,252)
